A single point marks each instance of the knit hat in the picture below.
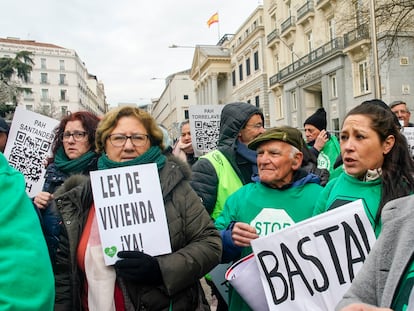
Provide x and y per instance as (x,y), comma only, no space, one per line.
(318,119)
(287,134)
(4,127)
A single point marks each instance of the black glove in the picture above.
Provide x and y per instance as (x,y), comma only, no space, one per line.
(138,267)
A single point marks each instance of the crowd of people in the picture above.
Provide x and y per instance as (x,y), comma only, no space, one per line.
(211,203)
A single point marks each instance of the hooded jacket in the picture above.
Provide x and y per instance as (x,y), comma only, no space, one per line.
(204,181)
(196,246)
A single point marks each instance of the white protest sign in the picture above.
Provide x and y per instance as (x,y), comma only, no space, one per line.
(311,264)
(29,145)
(130,211)
(408,132)
(204,127)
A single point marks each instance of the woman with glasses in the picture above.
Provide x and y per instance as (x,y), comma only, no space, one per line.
(73,152)
(129,136)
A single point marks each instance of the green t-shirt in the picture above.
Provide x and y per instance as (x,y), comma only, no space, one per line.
(400,301)
(268,210)
(328,155)
(345,189)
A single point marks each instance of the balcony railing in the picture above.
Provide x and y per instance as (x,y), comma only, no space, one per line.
(273,35)
(305,9)
(313,57)
(289,22)
(358,34)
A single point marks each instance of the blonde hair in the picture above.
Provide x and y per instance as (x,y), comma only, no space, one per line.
(111,118)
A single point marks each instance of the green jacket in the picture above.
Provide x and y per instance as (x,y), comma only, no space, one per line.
(195,243)
(26,281)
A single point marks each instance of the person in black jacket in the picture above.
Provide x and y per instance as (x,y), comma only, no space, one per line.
(223,171)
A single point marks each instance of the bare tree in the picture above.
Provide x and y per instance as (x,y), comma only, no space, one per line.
(394,20)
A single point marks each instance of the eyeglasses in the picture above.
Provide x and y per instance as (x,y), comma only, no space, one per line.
(400,111)
(255,126)
(77,136)
(119,140)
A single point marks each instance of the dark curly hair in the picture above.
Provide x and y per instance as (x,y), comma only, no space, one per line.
(89,122)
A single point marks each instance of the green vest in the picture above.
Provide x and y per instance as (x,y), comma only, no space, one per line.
(228,180)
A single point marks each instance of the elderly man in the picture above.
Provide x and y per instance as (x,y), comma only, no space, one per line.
(402,112)
(285,195)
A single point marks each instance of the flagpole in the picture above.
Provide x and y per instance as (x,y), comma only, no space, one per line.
(218,26)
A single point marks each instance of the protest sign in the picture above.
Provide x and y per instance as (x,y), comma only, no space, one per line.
(204,126)
(28,146)
(408,132)
(310,265)
(130,211)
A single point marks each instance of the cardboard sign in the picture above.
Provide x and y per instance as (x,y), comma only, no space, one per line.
(28,146)
(204,127)
(130,211)
(311,264)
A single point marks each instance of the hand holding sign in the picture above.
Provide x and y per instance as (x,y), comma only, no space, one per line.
(242,234)
(138,267)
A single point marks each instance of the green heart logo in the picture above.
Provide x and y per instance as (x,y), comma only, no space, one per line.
(110,251)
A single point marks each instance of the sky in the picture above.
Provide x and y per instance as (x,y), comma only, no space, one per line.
(125,43)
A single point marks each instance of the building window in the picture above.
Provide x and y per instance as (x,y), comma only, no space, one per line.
(309,41)
(185,97)
(241,72)
(257,101)
(64,110)
(233,78)
(43,63)
(45,95)
(61,64)
(63,96)
(62,79)
(248,67)
(279,107)
(256,60)
(331,27)
(186,115)
(334,88)
(292,54)
(363,77)
(293,102)
(43,78)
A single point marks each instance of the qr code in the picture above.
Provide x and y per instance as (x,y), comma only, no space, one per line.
(28,154)
(207,134)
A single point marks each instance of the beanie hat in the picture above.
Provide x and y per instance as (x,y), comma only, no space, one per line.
(318,119)
(288,134)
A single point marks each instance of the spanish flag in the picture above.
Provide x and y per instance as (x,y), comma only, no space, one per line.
(213,19)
